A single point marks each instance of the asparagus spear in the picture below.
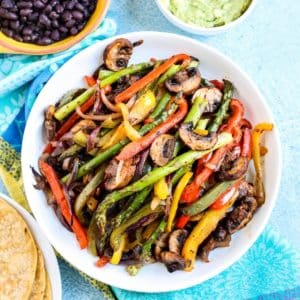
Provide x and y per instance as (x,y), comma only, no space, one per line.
(70,152)
(153,176)
(196,111)
(104,74)
(146,255)
(137,202)
(160,106)
(227,95)
(127,71)
(66,109)
(109,153)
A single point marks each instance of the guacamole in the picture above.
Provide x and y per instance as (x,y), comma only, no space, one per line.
(207,13)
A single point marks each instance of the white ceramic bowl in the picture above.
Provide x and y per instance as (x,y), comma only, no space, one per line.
(152,278)
(48,252)
(203,30)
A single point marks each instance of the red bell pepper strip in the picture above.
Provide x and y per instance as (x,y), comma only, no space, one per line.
(182,221)
(102,261)
(61,200)
(192,191)
(247,144)
(245,123)
(90,80)
(226,196)
(201,162)
(155,73)
(144,142)
(218,84)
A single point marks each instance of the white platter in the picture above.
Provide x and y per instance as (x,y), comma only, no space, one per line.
(152,278)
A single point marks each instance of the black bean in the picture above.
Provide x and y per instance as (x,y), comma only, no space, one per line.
(25,12)
(44,41)
(70,23)
(24,4)
(71,4)
(5,23)
(38,4)
(77,15)
(53,3)
(7,32)
(54,24)
(14,24)
(73,30)
(54,15)
(33,17)
(79,6)
(59,8)
(47,9)
(18,38)
(43,19)
(67,16)
(27,38)
(63,29)
(55,35)
(27,31)
(5,14)
(7,4)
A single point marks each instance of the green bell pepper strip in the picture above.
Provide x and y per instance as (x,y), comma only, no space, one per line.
(184,159)
(68,108)
(208,198)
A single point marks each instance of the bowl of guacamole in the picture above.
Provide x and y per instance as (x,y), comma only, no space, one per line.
(205,16)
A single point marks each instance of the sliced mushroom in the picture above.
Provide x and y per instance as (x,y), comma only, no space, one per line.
(233,170)
(83,125)
(212,95)
(50,123)
(162,149)
(185,81)
(176,240)
(172,261)
(119,173)
(241,215)
(117,54)
(196,141)
(219,238)
(160,245)
(246,189)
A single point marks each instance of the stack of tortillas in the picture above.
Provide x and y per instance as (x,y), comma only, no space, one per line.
(22,270)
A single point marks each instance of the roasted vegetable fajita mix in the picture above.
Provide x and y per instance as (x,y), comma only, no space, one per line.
(149,163)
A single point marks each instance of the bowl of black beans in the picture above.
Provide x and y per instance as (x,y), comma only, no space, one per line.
(47,26)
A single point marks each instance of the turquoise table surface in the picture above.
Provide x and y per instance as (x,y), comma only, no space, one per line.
(267,47)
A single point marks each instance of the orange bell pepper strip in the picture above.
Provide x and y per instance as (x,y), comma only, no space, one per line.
(102,261)
(61,200)
(144,142)
(192,191)
(90,80)
(151,76)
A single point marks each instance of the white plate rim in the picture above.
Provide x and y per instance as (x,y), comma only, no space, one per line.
(50,259)
(239,254)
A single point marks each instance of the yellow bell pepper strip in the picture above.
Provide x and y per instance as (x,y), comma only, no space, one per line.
(176,197)
(110,123)
(117,255)
(118,135)
(106,138)
(258,130)
(142,107)
(161,189)
(202,230)
(80,138)
(131,133)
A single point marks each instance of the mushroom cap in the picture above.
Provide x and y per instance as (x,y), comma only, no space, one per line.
(195,141)
(233,170)
(117,54)
(162,149)
(185,81)
(212,95)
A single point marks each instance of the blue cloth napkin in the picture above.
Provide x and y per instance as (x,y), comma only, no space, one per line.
(269,270)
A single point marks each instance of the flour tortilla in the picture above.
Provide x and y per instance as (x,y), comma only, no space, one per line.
(18,255)
(48,291)
(39,284)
